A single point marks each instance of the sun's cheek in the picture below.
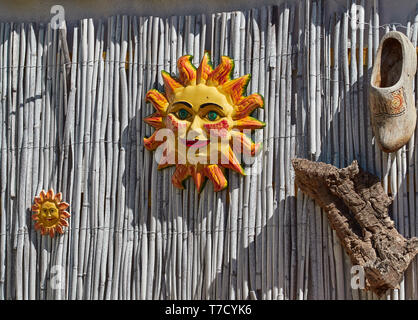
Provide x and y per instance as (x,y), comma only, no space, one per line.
(55,214)
(175,125)
(43,213)
(218,129)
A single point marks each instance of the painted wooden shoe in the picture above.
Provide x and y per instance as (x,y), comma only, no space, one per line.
(392,107)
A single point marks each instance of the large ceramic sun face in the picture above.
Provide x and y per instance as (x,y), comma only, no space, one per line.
(206,112)
(50,213)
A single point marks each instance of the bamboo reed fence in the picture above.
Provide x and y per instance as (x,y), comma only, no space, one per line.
(71,110)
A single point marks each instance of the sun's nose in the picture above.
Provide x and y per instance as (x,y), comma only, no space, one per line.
(196,131)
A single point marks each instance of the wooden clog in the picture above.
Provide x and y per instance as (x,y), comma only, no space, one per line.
(392,107)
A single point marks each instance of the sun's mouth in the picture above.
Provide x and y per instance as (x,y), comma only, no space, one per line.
(196,143)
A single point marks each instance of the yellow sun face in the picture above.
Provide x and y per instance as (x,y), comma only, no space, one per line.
(205,111)
(50,213)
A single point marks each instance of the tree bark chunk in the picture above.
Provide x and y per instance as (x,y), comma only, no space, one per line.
(357,209)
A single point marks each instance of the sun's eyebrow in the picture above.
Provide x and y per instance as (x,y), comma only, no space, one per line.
(210,104)
(183,102)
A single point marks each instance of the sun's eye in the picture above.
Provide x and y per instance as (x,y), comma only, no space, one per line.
(182,114)
(212,115)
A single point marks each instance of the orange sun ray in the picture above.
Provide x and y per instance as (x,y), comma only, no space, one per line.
(222,72)
(198,177)
(65,214)
(151,143)
(42,196)
(157,99)
(170,85)
(247,105)
(164,165)
(245,144)
(187,70)
(64,222)
(155,120)
(249,123)
(63,206)
(50,194)
(233,162)
(58,197)
(205,68)
(236,88)
(215,174)
(180,174)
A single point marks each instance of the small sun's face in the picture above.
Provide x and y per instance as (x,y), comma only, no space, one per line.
(206,111)
(50,213)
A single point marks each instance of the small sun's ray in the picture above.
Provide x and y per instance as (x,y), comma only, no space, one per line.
(158,100)
(233,162)
(222,72)
(58,197)
(35,207)
(35,217)
(215,174)
(170,84)
(205,68)
(60,230)
(165,165)
(249,123)
(63,222)
(236,88)
(198,177)
(52,232)
(65,214)
(151,143)
(187,70)
(180,174)
(37,226)
(155,120)
(38,200)
(247,105)
(43,230)
(50,194)
(244,145)
(42,196)
(63,206)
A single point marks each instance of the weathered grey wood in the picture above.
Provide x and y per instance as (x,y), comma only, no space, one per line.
(107,257)
(3,155)
(78,163)
(98,166)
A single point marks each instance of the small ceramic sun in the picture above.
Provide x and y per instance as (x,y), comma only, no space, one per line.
(201,103)
(50,213)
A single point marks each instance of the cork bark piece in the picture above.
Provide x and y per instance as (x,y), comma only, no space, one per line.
(357,209)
